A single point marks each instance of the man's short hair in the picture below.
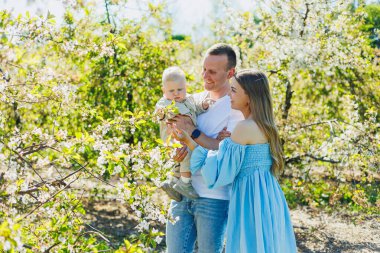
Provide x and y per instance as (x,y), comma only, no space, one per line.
(224,49)
(173,74)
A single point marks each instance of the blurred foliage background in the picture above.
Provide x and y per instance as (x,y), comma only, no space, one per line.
(77,98)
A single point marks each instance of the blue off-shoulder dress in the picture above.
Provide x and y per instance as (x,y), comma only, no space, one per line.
(258,216)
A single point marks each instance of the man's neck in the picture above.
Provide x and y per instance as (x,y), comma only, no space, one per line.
(223,91)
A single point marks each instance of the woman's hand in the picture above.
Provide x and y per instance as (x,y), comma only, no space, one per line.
(183,136)
(180,153)
(179,134)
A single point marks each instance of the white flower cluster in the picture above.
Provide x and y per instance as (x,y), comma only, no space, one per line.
(66,92)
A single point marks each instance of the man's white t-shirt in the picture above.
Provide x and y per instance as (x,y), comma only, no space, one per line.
(218,116)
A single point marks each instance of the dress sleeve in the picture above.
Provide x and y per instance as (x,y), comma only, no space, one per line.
(198,157)
(218,167)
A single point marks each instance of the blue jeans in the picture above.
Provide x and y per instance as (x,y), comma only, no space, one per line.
(202,220)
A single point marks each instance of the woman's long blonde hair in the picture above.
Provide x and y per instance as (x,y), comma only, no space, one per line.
(256,86)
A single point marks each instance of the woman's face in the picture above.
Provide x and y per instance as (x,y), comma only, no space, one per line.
(239,99)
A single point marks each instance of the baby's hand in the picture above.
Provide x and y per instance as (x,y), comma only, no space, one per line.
(167,112)
(160,114)
(223,134)
(207,103)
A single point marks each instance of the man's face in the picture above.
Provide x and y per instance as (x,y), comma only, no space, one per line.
(215,72)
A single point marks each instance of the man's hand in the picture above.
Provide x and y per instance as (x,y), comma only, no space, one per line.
(223,134)
(207,103)
(183,122)
(180,154)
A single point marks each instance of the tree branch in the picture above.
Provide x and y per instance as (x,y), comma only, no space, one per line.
(299,157)
(5,76)
(288,98)
(107,12)
(24,160)
(304,20)
(52,246)
(93,174)
(317,123)
(29,150)
(56,182)
(55,194)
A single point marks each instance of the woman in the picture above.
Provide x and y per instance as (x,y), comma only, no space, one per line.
(258,218)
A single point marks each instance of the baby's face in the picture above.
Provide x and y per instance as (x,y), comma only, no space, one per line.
(174,90)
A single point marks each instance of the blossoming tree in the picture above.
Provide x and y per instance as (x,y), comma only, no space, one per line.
(76,103)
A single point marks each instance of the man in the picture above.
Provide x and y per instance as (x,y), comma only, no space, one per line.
(204,220)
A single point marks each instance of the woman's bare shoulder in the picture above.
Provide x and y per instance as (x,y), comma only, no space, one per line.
(248,132)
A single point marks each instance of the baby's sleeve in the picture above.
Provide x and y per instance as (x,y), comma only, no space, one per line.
(197,101)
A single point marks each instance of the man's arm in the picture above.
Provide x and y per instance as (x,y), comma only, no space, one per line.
(207,142)
(184,122)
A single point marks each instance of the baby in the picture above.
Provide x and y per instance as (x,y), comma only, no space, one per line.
(176,101)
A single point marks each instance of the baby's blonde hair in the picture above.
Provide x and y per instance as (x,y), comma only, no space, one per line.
(173,74)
